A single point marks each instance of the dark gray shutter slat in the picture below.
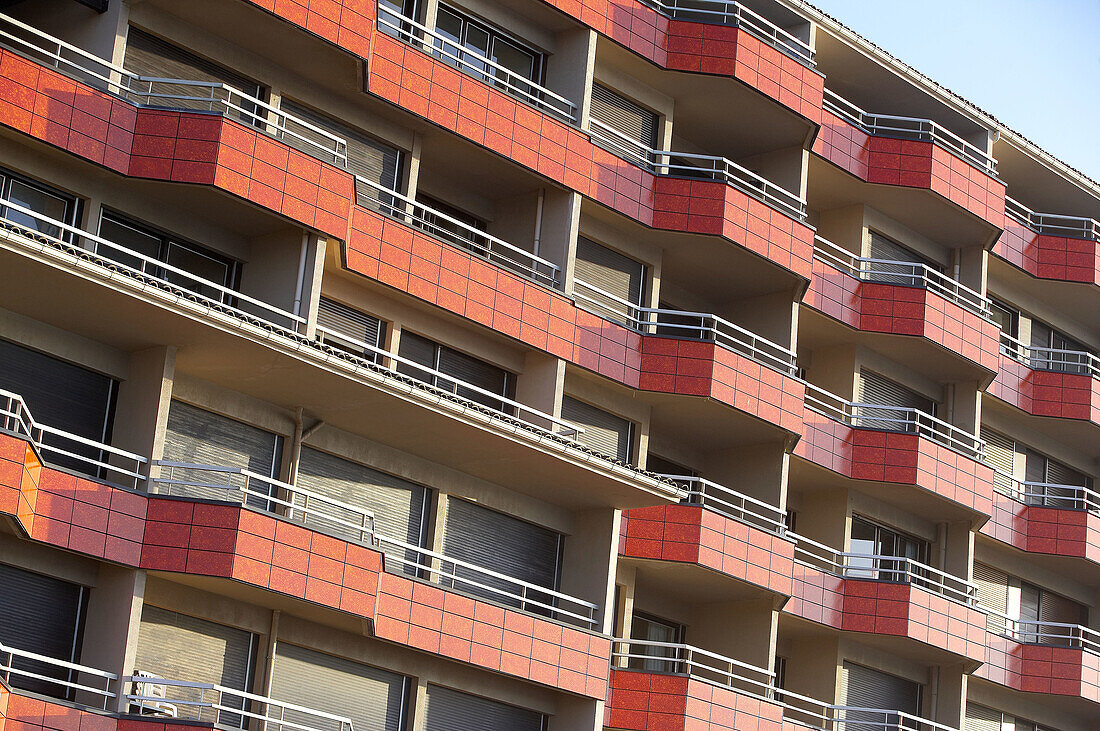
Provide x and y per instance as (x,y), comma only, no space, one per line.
(867,688)
(61,395)
(604,432)
(1057,608)
(624,116)
(374,700)
(180,647)
(39,614)
(352,323)
(376,161)
(419,350)
(1029,603)
(451,710)
(398,505)
(463,367)
(503,544)
(875,390)
(884,249)
(611,272)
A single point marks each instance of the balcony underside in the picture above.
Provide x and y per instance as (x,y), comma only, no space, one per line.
(1072,300)
(270,371)
(692,583)
(1077,434)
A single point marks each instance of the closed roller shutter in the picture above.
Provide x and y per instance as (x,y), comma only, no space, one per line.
(505,545)
(867,688)
(629,119)
(992,593)
(180,647)
(612,273)
(875,390)
(982,718)
(351,323)
(1000,453)
(63,396)
(1057,609)
(1052,474)
(465,368)
(606,433)
(398,505)
(25,625)
(884,249)
(202,437)
(451,710)
(374,700)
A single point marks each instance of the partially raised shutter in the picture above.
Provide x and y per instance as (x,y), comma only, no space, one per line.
(982,718)
(43,615)
(867,688)
(180,647)
(631,120)
(350,323)
(374,700)
(992,593)
(505,545)
(452,710)
(620,282)
(398,505)
(606,433)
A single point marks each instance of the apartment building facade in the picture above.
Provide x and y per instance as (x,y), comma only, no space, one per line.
(542,364)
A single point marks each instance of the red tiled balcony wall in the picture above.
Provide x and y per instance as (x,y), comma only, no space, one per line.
(887,608)
(900,310)
(429,88)
(411,261)
(1047,393)
(345,23)
(696,535)
(489,636)
(1040,529)
(642,701)
(911,164)
(27,713)
(191,147)
(1049,257)
(1042,668)
(868,454)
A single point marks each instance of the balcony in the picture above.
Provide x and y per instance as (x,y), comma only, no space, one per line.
(1041,517)
(1048,382)
(1052,658)
(1050,245)
(905,298)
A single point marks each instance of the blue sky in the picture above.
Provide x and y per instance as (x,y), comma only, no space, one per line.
(1033,64)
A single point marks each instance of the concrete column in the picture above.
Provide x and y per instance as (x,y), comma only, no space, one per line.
(114,610)
(972,267)
(141,411)
(959,549)
(569,70)
(542,384)
(626,585)
(313,278)
(947,703)
(591,555)
(412,166)
(418,704)
(561,216)
(966,406)
(578,714)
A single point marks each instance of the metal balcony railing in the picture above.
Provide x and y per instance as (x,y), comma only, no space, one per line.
(909,128)
(728,12)
(223,707)
(1047,494)
(1080,362)
(20,668)
(1055,634)
(476,65)
(158,92)
(1053,224)
(904,273)
(896,419)
(680,659)
(730,503)
(700,167)
(682,324)
(456,233)
(94,459)
(811,713)
(896,569)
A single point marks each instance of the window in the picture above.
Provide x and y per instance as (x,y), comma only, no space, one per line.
(887,250)
(622,126)
(451,232)
(878,546)
(200,266)
(604,432)
(1056,351)
(1036,612)
(608,283)
(648,628)
(889,397)
(450,710)
(350,330)
(1007,318)
(863,687)
(780,670)
(39,198)
(462,367)
(467,42)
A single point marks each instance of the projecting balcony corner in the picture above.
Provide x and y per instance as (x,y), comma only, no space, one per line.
(1050,245)
(1053,658)
(1048,382)
(1039,517)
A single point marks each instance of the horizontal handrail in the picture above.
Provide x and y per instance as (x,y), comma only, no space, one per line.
(488,247)
(17,418)
(1038,632)
(151,693)
(731,503)
(1053,224)
(707,167)
(911,128)
(701,326)
(812,713)
(272,494)
(905,273)
(87,64)
(1047,494)
(1059,360)
(683,659)
(414,34)
(728,12)
(445,571)
(9,669)
(894,418)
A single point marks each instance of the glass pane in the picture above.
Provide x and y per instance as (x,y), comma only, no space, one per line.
(39,201)
(517,60)
(864,542)
(200,264)
(130,238)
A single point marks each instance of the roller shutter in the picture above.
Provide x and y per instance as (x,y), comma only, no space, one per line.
(351,323)
(875,390)
(25,625)
(606,433)
(465,368)
(1000,453)
(451,710)
(63,396)
(374,700)
(981,718)
(867,688)
(1057,609)
(992,593)
(1051,475)
(399,506)
(180,647)
(884,249)
(612,273)
(202,437)
(633,121)
(505,545)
